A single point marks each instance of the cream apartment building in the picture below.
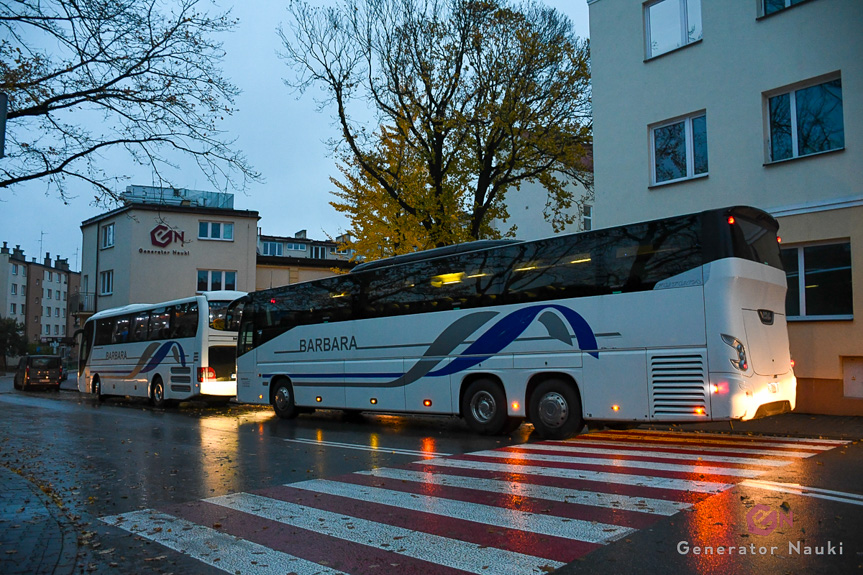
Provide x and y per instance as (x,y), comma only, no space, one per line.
(166,244)
(700,104)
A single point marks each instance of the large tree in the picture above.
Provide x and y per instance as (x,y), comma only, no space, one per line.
(86,78)
(469,99)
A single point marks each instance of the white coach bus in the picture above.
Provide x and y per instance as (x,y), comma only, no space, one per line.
(167,352)
(675,320)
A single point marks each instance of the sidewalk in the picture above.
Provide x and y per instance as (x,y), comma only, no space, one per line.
(787,424)
(36,537)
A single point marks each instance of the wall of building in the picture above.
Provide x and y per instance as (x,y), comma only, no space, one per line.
(157,252)
(725,74)
(729,74)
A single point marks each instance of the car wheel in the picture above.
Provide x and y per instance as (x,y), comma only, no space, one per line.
(555,410)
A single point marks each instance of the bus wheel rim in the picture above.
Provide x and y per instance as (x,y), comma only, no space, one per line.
(282,397)
(483,406)
(553,409)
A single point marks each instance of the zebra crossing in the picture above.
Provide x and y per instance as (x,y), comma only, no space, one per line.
(529,508)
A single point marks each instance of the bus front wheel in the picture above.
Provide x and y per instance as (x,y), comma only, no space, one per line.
(97,389)
(555,410)
(157,393)
(283,400)
(484,407)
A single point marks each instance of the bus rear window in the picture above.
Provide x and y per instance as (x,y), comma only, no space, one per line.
(756,241)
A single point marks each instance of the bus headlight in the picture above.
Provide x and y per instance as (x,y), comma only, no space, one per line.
(740,363)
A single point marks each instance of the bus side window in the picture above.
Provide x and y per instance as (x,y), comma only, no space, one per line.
(160,321)
(185,320)
(140,325)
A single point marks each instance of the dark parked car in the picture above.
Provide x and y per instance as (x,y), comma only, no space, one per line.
(39,371)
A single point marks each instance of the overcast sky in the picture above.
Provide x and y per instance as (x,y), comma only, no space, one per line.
(282,136)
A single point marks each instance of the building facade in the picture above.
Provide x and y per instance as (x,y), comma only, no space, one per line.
(38,295)
(166,244)
(702,104)
(288,260)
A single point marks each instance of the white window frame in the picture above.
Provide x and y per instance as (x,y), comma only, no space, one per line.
(106,236)
(801,283)
(792,110)
(690,148)
(106,282)
(13,309)
(587,217)
(268,248)
(14,289)
(683,12)
(223,228)
(14,269)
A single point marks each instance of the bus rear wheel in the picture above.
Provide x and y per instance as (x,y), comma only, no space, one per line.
(484,407)
(555,410)
(282,398)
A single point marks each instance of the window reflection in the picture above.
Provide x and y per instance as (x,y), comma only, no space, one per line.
(806,121)
(670,152)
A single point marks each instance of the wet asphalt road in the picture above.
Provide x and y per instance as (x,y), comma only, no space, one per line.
(122,456)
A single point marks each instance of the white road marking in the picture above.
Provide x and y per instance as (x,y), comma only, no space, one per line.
(696,468)
(225,552)
(453,553)
(411,452)
(575,450)
(648,450)
(520,489)
(797,489)
(599,476)
(577,529)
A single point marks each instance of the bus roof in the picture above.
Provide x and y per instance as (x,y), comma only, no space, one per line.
(221,295)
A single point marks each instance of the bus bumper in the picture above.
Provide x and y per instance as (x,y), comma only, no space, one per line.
(219,388)
(754,397)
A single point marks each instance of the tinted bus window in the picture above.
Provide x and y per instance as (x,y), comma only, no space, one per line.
(160,323)
(105,331)
(121,329)
(756,241)
(185,320)
(140,326)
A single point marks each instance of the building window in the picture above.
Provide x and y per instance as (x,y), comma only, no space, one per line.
(587,218)
(295,246)
(272,249)
(47,330)
(56,329)
(819,281)
(14,289)
(107,237)
(216,231)
(56,312)
(50,294)
(14,269)
(12,309)
(771,6)
(679,149)
(671,24)
(806,121)
(319,252)
(213,280)
(106,282)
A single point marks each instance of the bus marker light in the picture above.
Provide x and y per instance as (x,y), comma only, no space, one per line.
(779,239)
(515,406)
(731,220)
(427,402)
(260,397)
(699,411)
(615,407)
(793,363)
(721,387)
(373,401)
(319,399)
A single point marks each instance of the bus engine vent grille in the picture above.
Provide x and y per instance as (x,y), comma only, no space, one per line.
(678,386)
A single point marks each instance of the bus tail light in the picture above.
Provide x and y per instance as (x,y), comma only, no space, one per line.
(700,411)
(206,374)
(740,363)
(719,388)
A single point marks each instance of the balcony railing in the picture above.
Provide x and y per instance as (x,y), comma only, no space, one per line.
(82,303)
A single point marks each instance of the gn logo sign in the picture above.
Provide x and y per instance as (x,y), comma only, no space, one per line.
(162,236)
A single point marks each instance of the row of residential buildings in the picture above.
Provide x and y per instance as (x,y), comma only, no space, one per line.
(696,105)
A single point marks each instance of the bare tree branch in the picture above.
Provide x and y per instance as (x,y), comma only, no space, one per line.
(136,76)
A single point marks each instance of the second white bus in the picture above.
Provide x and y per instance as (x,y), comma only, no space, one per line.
(674,320)
(167,352)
